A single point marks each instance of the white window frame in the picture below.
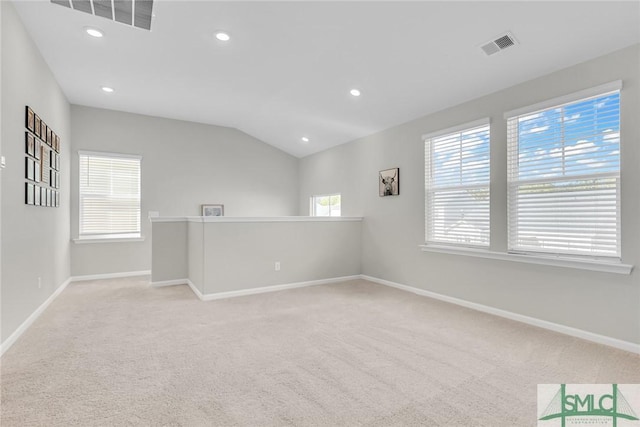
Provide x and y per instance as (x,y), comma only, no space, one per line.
(584,95)
(429,241)
(115,237)
(312,205)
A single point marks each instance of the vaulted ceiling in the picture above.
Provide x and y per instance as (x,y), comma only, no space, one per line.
(287,71)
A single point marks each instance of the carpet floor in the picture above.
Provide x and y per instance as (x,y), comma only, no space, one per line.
(118,352)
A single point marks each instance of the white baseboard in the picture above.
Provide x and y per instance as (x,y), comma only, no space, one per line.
(567,330)
(32,318)
(195,290)
(273,288)
(111,275)
(162,283)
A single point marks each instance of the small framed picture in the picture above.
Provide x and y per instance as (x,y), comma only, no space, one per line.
(212,210)
(30,144)
(389,182)
(37,123)
(48,135)
(43,130)
(57,162)
(57,199)
(52,159)
(30,119)
(29,197)
(36,193)
(38,171)
(43,196)
(38,151)
(30,167)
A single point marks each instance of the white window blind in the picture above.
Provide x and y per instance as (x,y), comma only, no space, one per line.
(328,205)
(564,178)
(457,186)
(109,195)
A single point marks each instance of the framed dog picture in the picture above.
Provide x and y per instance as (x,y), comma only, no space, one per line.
(389,182)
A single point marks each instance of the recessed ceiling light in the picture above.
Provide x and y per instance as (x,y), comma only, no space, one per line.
(222,36)
(93,32)
(107,89)
(305,139)
(354,92)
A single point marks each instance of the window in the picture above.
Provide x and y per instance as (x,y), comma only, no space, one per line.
(109,195)
(457,185)
(564,176)
(325,205)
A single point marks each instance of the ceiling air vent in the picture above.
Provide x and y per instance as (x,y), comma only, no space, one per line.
(498,44)
(136,13)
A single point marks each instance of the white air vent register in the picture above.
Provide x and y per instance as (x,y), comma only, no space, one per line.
(498,44)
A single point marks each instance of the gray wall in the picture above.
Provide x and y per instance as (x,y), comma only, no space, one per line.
(169,251)
(607,304)
(240,256)
(184,165)
(35,240)
(235,255)
(195,240)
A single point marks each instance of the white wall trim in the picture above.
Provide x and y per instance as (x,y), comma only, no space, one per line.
(567,330)
(111,275)
(265,289)
(163,283)
(565,99)
(195,290)
(168,219)
(32,318)
(539,259)
(109,155)
(563,329)
(84,241)
(256,219)
(469,125)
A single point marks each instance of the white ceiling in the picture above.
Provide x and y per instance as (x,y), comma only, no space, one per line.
(288,69)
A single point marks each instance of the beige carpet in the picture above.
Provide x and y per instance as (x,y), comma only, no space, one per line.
(117,352)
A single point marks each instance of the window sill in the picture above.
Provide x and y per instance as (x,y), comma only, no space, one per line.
(81,241)
(556,261)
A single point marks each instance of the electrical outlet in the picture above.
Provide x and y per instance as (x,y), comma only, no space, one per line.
(277,266)
(39,283)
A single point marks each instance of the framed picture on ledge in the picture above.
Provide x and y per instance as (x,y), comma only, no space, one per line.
(212,210)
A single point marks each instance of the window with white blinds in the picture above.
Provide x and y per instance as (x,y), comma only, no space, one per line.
(564,177)
(457,185)
(109,195)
